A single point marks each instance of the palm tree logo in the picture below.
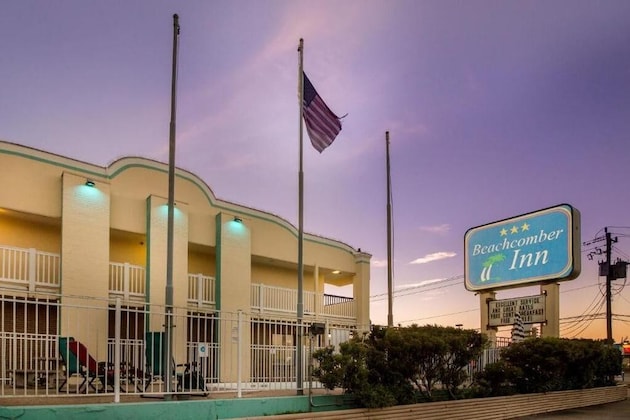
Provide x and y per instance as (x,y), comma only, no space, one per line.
(487,266)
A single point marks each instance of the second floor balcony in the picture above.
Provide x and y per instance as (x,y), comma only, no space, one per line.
(32,270)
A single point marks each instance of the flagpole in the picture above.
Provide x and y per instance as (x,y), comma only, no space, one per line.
(168,325)
(300,291)
(390,304)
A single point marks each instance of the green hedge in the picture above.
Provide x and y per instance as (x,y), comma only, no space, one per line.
(550,364)
(397,366)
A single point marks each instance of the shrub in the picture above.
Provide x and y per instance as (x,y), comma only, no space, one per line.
(550,364)
(400,365)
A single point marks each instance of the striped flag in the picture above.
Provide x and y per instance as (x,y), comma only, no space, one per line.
(322,125)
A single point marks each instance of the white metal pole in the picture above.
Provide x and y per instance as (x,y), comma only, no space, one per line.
(239,363)
(117,324)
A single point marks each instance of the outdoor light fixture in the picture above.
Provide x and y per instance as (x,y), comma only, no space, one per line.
(238,219)
(336,272)
(89,182)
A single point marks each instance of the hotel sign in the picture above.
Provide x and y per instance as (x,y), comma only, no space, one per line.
(535,247)
(503,312)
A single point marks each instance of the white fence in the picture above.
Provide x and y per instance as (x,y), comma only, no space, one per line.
(201,290)
(126,280)
(69,345)
(265,298)
(29,266)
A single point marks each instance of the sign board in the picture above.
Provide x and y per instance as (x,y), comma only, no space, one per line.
(503,312)
(202,349)
(535,247)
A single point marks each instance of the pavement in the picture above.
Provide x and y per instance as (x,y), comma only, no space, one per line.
(616,410)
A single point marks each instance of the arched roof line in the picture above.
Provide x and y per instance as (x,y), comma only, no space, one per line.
(120,165)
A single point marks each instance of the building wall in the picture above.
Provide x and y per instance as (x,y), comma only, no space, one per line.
(128,249)
(280,277)
(202,262)
(123,219)
(21,233)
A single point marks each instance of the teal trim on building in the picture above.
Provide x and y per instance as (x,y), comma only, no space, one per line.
(119,167)
(217,274)
(182,410)
(147,267)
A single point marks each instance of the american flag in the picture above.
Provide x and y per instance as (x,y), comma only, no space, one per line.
(322,125)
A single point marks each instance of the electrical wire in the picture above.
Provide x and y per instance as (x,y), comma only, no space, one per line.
(419,288)
(579,323)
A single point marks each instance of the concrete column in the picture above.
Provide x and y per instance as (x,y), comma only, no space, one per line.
(85,214)
(157,235)
(552,310)
(484,298)
(361,289)
(319,292)
(233,280)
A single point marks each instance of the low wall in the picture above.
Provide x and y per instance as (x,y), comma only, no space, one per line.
(479,408)
(269,408)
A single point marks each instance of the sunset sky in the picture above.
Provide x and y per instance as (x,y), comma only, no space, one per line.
(495,109)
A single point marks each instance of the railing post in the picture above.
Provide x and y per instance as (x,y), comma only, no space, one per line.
(126,276)
(261,297)
(239,363)
(117,323)
(319,307)
(32,269)
(200,290)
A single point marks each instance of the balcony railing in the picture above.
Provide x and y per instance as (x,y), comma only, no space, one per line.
(266,298)
(29,267)
(339,306)
(126,280)
(201,290)
(34,270)
(279,299)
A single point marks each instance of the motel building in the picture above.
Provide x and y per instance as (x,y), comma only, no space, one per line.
(83,258)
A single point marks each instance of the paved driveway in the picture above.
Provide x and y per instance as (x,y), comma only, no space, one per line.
(618,410)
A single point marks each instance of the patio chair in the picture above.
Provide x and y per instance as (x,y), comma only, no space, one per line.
(68,359)
(191,378)
(91,370)
(188,380)
(153,348)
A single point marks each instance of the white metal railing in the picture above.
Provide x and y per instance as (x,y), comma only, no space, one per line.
(339,307)
(279,299)
(127,280)
(201,290)
(29,267)
(228,351)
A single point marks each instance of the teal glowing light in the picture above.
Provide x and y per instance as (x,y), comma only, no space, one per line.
(86,192)
(164,211)
(236,225)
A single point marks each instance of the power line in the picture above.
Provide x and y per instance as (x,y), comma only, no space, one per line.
(472,310)
(439,316)
(419,288)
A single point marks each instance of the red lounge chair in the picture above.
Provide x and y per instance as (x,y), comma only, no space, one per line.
(91,370)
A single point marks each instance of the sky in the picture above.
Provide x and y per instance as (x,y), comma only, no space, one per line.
(494,108)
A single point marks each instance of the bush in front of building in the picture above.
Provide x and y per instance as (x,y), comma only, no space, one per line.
(395,366)
(550,364)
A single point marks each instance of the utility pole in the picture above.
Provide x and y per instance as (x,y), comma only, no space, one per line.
(611,272)
(609,277)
